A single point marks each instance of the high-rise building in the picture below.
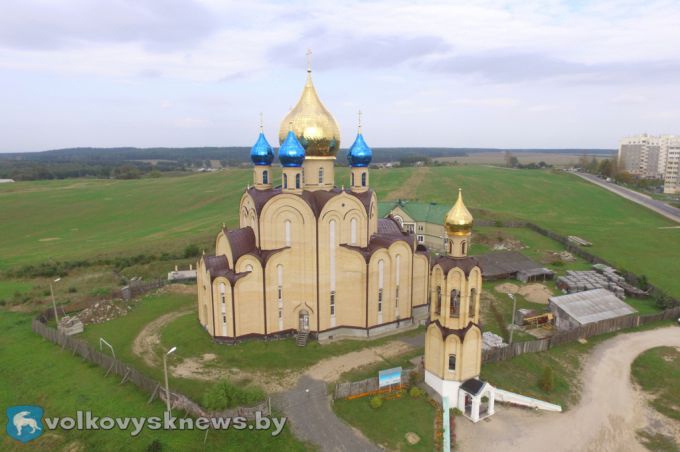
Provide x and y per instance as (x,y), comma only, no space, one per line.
(651,156)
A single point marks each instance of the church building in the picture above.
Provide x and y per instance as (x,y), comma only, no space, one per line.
(309,257)
(312,259)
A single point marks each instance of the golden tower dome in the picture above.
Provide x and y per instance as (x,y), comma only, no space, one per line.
(459,220)
(312,123)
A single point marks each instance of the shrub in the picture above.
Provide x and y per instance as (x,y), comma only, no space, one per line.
(376,402)
(3,302)
(191,251)
(155,446)
(224,394)
(414,377)
(456,412)
(547,380)
(72,290)
(415,392)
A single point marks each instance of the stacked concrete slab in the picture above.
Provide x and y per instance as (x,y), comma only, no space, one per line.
(602,277)
(491,340)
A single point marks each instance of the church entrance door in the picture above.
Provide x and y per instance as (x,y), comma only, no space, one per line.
(304,321)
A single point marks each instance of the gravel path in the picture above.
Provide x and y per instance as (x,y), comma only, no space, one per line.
(606,418)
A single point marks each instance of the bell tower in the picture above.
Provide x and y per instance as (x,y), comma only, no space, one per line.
(453,341)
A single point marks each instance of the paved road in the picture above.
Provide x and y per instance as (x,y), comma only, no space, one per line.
(662,208)
(312,418)
(606,418)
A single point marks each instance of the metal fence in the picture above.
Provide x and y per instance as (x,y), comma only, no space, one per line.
(585,331)
(128,373)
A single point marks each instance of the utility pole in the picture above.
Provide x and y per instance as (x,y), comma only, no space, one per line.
(512,323)
(54,303)
(165,370)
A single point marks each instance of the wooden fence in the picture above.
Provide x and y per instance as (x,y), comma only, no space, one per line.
(128,373)
(585,331)
(365,387)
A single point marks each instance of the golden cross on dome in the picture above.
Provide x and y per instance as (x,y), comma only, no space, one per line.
(309,60)
(359,115)
(261,123)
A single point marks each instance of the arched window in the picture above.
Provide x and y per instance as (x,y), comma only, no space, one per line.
(363,179)
(353,231)
(265,177)
(297,181)
(463,245)
(352,178)
(473,301)
(438,301)
(286,231)
(454,304)
(285,181)
(320,175)
(279,285)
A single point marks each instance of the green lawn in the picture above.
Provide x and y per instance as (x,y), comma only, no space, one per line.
(36,372)
(657,371)
(269,356)
(9,289)
(388,424)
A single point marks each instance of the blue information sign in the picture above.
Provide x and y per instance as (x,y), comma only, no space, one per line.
(389,377)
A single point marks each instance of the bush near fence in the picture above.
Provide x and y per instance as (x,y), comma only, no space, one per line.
(130,374)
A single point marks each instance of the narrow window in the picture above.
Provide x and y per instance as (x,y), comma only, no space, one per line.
(363,179)
(265,177)
(454,306)
(473,300)
(285,181)
(353,231)
(380,298)
(332,303)
(279,272)
(320,175)
(286,231)
(224,318)
(297,181)
(421,239)
(452,362)
(397,278)
(462,247)
(352,178)
(438,305)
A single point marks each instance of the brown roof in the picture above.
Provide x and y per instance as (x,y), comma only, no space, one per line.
(264,255)
(464,263)
(389,226)
(218,266)
(381,241)
(446,332)
(316,199)
(242,241)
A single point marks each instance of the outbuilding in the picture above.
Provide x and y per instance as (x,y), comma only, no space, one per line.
(581,308)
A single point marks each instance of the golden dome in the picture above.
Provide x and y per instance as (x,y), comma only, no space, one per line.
(313,125)
(459,220)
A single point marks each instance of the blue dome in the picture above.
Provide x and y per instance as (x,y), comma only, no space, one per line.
(291,152)
(262,153)
(359,154)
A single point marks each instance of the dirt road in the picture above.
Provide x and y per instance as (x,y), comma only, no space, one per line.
(606,418)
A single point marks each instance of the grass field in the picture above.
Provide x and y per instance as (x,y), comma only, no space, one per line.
(657,371)
(389,423)
(87,218)
(37,372)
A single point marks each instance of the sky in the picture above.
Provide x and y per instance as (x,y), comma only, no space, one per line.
(510,74)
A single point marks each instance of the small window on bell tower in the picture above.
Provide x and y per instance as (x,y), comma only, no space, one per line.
(452,363)
(265,177)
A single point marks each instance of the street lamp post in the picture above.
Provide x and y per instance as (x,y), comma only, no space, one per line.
(512,324)
(54,303)
(165,370)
